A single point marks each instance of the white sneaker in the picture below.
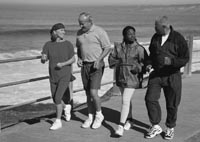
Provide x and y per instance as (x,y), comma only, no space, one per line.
(98,120)
(128,125)
(169,134)
(67,112)
(119,131)
(56,125)
(154,130)
(87,123)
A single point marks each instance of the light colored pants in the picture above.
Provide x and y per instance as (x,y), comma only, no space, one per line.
(126,108)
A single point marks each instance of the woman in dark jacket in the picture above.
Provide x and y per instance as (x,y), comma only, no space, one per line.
(128,58)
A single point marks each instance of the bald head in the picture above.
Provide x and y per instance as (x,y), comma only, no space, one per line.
(85,16)
(163,21)
(85,21)
(162,25)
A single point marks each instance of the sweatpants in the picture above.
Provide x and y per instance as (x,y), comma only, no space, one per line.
(171,85)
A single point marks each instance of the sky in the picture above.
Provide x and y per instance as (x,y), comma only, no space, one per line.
(101,2)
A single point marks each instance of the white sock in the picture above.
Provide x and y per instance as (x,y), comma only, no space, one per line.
(58,120)
(156,126)
(67,106)
(99,113)
(90,116)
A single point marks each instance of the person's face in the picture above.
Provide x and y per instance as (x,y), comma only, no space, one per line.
(60,33)
(84,23)
(159,28)
(130,35)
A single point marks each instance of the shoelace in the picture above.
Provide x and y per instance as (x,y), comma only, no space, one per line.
(88,121)
(152,130)
(97,119)
(169,132)
(119,129)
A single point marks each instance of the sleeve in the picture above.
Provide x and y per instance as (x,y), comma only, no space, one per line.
(183,53)
(45,50)
(149,58)
(104,39)
(78,48)
(112,58)
(143,57)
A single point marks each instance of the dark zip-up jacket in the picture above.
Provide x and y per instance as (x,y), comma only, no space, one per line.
(175,48)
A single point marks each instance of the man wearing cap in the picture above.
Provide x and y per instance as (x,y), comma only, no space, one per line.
(168,53)
(93,45)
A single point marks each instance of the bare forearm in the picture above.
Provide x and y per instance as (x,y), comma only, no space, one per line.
(69,62)
(105,52)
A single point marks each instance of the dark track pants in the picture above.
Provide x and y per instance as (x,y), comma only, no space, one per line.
(171,86)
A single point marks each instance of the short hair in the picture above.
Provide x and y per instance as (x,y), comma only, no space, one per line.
(125,30)
(163,20)
(56,27)
(87,16)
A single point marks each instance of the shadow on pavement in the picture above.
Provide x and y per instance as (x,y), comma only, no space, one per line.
(35,113)
(113,116)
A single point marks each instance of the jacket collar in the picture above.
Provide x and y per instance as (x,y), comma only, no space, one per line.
(131,46)
(128,48)
(170,37)
(171,34)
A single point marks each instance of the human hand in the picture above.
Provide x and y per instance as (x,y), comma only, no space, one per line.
(149,68)
(59,65)
(167,61)
(97,64)
(43,58)
(79,62)
(43,61)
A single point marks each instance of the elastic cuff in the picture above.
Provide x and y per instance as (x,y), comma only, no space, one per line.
(130,119)
(122,124)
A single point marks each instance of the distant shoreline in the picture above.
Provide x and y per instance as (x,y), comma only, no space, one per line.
(101,5)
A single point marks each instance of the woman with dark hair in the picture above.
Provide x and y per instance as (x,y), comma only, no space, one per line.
(60,54)
(128,58)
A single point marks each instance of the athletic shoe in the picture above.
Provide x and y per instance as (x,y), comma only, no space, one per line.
(169,134)
(154,130)
(119,131)
(128,125)
(98,120)
(56,125)
(67,112)
(87,123)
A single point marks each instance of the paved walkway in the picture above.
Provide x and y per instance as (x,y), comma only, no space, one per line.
(188,122)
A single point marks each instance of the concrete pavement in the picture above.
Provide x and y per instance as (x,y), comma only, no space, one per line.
(188,124)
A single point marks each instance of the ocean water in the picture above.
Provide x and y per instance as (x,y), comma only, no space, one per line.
(25,29)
